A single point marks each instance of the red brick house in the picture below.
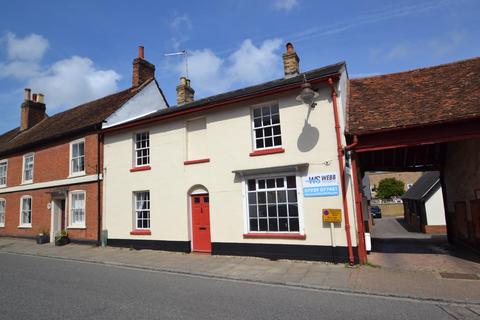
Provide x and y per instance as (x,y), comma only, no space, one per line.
(51,166)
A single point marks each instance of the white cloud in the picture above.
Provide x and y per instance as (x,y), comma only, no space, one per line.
(399,51)
(30,48)
(252,64)
(249,64)
(65,83)
(285,5)
(72,81)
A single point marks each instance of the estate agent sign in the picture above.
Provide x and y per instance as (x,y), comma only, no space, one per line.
(321,185)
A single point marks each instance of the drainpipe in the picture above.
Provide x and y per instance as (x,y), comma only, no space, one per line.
(99,195)
(351,259)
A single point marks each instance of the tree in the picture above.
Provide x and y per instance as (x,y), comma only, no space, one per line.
(390,187)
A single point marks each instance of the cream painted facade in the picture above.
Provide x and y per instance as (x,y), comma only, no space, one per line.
(308,137)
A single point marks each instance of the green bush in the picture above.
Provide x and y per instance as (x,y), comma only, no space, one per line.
(390,187)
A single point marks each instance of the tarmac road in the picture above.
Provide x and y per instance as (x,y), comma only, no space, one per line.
(45,288)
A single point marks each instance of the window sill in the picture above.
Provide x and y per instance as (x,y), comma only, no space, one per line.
(79,227)
(25,226)
(2,225)
(26,182)
(297,236)
(188,162)
(142,168)
(264,152)
(77,174)
(140,232)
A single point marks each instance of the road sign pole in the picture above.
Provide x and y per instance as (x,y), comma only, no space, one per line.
(332,235)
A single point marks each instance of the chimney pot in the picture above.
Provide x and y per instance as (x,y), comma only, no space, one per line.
(40,98)
(291,61)
(184,91)
(34,97)
(27,94)
(142,69)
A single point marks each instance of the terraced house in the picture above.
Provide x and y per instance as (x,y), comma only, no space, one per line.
(253,171)
(51,166)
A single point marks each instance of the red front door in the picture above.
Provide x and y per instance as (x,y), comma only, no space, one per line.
(201,223)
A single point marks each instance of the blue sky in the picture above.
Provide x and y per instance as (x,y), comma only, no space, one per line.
(78,51)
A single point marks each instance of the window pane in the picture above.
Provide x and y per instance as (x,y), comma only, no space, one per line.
(292,195)
(277,141)
(282,224)
(272,198)
(294,226)
(275,119)
(274,109)
(280,182)
(252,211)
(259,143)
(257,122)
(266,121)
(268,142)
(282,210)
(262,198)
(253,225)
(293,210)
(276,130)
(261,184)
(265,111)
(272,211)
(262,210)
(263,225)
(272,225)
(282,196)
(251,185)
(259,133)
(291,182)
(252,198)
(257,112)
(268,132)
(270,183)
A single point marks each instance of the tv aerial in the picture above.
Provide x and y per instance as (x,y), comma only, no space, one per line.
(180,53)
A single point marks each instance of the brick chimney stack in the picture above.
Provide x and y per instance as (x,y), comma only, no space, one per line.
(291,61)
(142,69)
(184,91)
(32,110)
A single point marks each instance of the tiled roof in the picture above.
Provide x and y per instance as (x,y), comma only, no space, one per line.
(422,187)
(443,93)
(78,119)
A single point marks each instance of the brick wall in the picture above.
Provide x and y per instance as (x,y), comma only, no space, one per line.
(51,163)
(41,214)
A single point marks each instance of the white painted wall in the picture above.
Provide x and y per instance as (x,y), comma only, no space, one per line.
(148,100)
(229,142)
(435,209)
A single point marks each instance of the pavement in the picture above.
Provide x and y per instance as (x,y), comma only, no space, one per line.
(422,285)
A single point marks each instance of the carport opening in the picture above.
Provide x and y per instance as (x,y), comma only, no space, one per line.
(413,227)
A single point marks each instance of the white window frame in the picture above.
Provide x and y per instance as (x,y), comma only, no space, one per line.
(253,133)
(81,224)
(78,173)
(2,214)
(299,187)
(135,215)
(4,162)
(22,223)
(135,158)
(24,169)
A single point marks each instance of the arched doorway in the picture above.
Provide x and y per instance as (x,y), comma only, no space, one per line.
(200,219)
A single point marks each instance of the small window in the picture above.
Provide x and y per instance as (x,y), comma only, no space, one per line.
(77,210)
(273,205)
(2,212)
(142,209)
(266,127)
(28,167)
(142,149)
(77,154)
(26,211)
(3,173)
